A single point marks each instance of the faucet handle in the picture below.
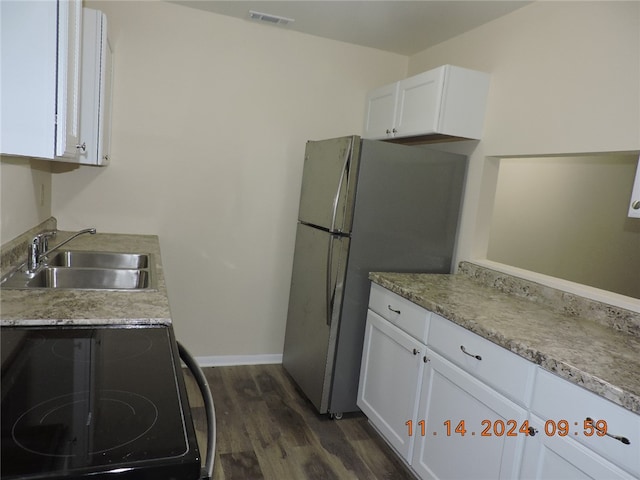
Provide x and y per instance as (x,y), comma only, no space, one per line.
(44,240)
(33,252)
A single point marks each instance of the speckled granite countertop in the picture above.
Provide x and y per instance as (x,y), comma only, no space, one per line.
(596,347)
(81,307)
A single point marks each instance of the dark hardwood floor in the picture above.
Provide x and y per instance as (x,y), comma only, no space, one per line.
(267,430)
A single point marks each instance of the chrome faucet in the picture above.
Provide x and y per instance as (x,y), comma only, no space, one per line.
(39,247)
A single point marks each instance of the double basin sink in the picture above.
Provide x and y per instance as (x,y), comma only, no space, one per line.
(87,270)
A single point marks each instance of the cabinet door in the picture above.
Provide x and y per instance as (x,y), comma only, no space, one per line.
(95,104)
(561,458)
(389,381)
(481,448)
(380,116)
(69,64)
(28,86)
(106,100)
(419,103)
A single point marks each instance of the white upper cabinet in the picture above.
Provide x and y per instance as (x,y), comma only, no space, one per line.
(95,113)
(448,100)
(69,58)
(381,111)
(418,105)
(41,78)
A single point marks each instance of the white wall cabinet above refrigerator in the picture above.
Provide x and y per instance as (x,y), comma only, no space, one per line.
(41,79)
(447,101)
(95,91)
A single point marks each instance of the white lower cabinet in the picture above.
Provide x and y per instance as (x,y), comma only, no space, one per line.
(462,407)
(554,457)
(389,387)
(472,432)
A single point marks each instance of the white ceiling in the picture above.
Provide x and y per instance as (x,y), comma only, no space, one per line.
(404,27)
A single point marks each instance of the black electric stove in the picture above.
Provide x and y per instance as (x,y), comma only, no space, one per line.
(95,402)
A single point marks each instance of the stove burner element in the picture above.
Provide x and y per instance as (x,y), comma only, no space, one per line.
(79,424)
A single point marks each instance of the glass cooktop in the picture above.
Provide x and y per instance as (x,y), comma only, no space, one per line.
(94,401)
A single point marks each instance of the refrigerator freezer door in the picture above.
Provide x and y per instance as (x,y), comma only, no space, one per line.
(315,302)
(328,183)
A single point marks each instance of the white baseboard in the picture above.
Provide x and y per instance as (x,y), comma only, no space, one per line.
(230,360)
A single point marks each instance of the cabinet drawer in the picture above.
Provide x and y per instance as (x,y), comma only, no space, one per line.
(555,399)
(496,366)
(406,315)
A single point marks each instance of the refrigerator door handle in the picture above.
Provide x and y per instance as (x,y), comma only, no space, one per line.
(328,293)
(336,199)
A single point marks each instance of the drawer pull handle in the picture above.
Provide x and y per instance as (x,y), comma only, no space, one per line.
(620,438)
(464,350)
(393,310)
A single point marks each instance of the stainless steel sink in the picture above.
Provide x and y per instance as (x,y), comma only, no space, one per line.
(87,270)
(87,259)
(90,278)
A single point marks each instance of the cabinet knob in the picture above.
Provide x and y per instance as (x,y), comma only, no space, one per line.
(635,205)
(532,432)
(394,130)
(416,351)
(388,132)
(82,147)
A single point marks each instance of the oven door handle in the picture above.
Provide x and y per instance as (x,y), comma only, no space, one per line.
(207,470)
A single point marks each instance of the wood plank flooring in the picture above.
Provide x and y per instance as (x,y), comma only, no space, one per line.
(268,430)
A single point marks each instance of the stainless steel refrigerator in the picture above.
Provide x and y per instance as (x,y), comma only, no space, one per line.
(365,205)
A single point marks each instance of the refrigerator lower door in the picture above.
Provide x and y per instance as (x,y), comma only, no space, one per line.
(315,303)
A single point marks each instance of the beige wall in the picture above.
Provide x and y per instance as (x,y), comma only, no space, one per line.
(565,78)
(210,119)
(25,195)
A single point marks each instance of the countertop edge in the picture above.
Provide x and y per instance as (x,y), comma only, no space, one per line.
(43,322)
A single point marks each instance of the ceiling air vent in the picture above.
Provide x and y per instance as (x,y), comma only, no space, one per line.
(268,18)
